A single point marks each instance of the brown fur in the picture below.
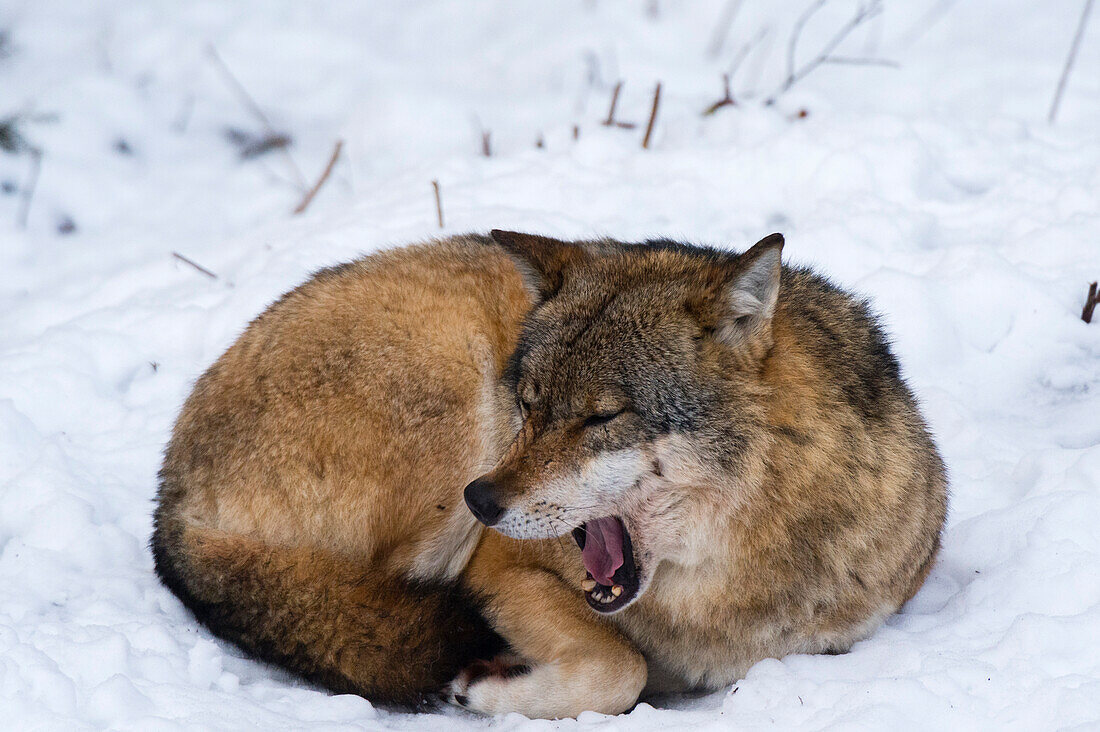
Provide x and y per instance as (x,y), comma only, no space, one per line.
(311,500)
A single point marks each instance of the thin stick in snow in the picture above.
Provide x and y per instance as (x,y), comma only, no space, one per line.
(614,103)
(28,190)
(438,202)
(611,121)
(1069,62)
(486,149)
(320,181)
(196,265)
(652,116)
(1090,303)
(725,101)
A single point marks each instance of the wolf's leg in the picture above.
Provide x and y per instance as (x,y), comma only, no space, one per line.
(332,619)
(577,661)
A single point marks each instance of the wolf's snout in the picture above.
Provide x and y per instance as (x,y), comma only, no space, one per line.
(481,498)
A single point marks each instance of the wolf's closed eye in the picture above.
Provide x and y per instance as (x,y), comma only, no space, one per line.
(597,419)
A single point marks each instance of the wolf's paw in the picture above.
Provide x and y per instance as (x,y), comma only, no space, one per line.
(480,684)
(468,689)
(549,690)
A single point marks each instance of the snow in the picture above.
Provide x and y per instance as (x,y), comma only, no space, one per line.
(937,188)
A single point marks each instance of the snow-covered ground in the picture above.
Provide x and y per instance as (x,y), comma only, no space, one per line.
(937,187)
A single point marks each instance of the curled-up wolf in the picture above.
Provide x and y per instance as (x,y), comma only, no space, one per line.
(689,459)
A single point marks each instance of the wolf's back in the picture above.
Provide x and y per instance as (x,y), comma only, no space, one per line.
(315,472)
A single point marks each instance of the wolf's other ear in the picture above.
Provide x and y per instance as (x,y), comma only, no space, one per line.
(752,291)
(543,262)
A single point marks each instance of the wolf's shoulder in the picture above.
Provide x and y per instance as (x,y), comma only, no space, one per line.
(844,336)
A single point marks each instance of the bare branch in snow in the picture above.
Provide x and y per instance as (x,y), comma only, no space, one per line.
(611,121)
(652,116)
(1090,303)
(865,12)
(614,103)
(251,146)
(725,101)
(438,202)
(321,181)
(742,54)
(1054,104)
(194,264)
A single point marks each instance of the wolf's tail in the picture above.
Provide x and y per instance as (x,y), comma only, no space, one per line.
(329,619)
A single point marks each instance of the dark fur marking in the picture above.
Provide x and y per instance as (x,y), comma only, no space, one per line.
(796,436)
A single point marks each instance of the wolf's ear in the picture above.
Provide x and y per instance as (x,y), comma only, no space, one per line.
(751,291)
(543,262)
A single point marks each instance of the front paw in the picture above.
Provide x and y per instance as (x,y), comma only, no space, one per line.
(480,687)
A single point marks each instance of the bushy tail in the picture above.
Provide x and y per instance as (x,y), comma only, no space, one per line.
(337,623)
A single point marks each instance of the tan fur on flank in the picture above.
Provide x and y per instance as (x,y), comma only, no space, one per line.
(747,424)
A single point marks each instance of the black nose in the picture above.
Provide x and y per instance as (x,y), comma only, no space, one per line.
(482,503)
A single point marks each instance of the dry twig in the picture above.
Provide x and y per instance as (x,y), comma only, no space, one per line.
(438,202)
(614,103)
(1069,61)
(865,12)
(725,101)
(1090,303)
(652,116)
(320,181)
(611,121)
(194,264)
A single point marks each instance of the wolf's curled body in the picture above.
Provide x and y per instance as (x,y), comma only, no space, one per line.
(728,441)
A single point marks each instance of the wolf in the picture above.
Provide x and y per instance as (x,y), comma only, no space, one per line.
(530,475)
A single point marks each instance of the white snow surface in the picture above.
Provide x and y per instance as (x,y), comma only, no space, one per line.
(936,188)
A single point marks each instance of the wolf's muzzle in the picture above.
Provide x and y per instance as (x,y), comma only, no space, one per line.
(481,498)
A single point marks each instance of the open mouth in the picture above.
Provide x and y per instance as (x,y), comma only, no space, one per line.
(612,579)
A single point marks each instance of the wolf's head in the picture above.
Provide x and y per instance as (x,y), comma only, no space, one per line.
(637,398)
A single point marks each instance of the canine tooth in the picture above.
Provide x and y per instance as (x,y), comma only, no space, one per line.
(617,590)
(588,585)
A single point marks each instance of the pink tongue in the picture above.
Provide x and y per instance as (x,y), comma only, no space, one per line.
(603,548)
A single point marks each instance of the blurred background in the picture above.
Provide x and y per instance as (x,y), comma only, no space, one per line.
(159,118)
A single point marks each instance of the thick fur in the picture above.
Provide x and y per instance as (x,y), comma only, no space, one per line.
(746,421)
(310,501)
